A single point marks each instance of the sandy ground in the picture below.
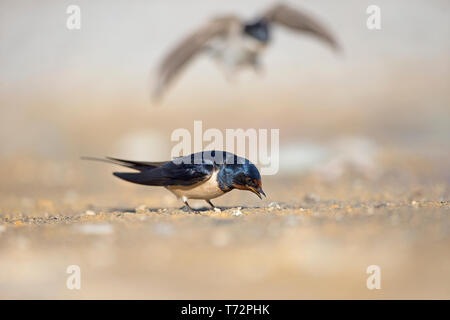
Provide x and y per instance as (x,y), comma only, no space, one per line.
(311,238)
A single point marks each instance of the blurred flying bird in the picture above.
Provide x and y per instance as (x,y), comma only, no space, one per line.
(203,175)
(235,42)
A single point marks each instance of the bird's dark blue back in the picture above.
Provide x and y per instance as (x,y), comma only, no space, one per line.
(189,170)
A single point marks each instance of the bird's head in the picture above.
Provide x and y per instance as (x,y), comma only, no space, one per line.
(247,177)
(258,30)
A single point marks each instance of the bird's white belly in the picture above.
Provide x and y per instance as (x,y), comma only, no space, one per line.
(241,51)
(204,190)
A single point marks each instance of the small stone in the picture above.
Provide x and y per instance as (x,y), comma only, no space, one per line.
(217,210)
(237,212)
(141,209)
(90,213)
(274,205)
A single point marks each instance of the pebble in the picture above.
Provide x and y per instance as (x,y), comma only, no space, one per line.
(142,209)
(237,212)
(90,213)
(217,210)
(274,205)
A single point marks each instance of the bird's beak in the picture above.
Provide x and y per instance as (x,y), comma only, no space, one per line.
(262,192)
(258,192)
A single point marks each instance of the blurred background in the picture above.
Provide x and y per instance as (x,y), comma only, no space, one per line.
(367,127)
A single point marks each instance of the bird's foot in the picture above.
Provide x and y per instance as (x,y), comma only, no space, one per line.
(188,208)
(211,204)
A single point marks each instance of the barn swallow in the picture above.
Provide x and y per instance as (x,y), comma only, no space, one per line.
(235,42)
(203,175)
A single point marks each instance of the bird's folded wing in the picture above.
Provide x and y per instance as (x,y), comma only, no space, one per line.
(300,21)
(187,49)
(170,174)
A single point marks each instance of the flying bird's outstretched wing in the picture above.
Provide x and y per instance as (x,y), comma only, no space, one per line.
(188,48)
(300,21)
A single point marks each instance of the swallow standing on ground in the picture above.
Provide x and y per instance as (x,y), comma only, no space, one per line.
(203,175)
(235,43)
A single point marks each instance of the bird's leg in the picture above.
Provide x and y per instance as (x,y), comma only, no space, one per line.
(211,204)
(187,205)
